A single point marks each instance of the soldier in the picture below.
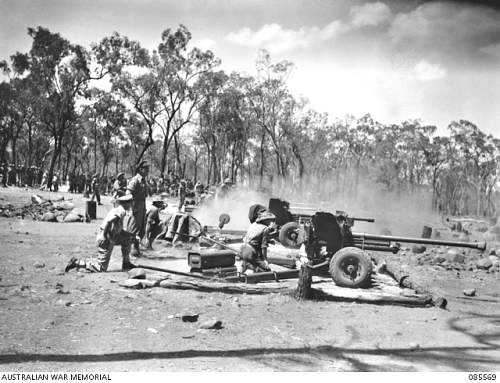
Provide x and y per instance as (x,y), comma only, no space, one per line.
(224,188)
(254,249)
(119,186)
(153,222)
(137,186)
(182,194)
(117,228)
(198,191)
(95,186)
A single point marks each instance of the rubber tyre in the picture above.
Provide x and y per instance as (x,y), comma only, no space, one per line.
(345,257)
(287,235)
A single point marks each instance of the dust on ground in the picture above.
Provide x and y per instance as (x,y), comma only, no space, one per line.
(80,321)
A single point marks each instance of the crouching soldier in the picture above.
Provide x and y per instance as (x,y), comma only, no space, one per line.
(117,228)
(153,223)
(254,249)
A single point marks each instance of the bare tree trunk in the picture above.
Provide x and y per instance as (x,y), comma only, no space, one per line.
(261,173)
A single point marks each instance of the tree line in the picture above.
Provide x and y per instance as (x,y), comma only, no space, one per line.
(70,109)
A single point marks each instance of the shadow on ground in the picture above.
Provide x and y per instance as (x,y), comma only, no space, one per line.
(310,358)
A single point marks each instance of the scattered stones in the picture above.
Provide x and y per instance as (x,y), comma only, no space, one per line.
(165,283)
(49,217)
(72,218)
(494,259)
(440,302)
(39,265)
(484,264)
(157,277)
(189,317)
(131,284)
(148,283)
(482,227)
(36,199)
(469,292)
(212,324)
(439,258)
(418,249)
(44,210)
(455,256)
(137,273)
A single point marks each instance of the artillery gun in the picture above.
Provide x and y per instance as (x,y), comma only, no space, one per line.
(333,248)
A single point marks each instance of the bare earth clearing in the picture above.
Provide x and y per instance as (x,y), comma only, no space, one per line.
(80,321)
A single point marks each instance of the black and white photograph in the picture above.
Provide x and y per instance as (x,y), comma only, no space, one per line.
(249,186)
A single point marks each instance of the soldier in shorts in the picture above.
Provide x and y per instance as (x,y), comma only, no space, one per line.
(153,223)
(138,188)
(117,228)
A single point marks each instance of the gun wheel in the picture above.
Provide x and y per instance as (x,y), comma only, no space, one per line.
(351,267)
(290,236)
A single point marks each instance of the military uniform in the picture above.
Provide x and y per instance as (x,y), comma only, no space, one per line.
(138,188)
(117,228)
(95,186)
(254,249)
(153,222)
(119,188)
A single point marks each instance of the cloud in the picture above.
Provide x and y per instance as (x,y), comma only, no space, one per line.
(493,50)
(277,39)
(446,28)
(371,14)
(425,71)
(205,44)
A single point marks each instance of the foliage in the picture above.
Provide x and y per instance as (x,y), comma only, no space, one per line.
(173,107)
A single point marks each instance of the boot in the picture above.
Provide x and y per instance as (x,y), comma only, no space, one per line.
(135,252)
(72,264)
(127,265)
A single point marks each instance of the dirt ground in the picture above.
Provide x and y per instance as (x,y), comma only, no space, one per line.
(52,321)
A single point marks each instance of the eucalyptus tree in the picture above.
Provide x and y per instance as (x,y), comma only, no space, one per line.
(58,73)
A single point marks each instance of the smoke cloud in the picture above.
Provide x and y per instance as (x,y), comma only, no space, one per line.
(403,212)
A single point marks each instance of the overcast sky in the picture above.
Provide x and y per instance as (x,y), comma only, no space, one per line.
(438,61)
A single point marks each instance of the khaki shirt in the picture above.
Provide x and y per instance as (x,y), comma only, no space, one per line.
(257,235)
(138,188)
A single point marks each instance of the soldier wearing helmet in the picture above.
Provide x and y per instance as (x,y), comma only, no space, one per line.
(256,240)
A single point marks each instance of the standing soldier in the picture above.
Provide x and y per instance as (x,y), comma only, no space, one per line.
(153,222)
(198,191)
(94,186)
(224,188)
(119,186)
(116,229)
(182,194)
(137,186)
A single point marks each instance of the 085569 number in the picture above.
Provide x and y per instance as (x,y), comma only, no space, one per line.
(478,376)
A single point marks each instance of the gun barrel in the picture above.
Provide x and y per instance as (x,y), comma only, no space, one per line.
(364,219)
(424,241)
